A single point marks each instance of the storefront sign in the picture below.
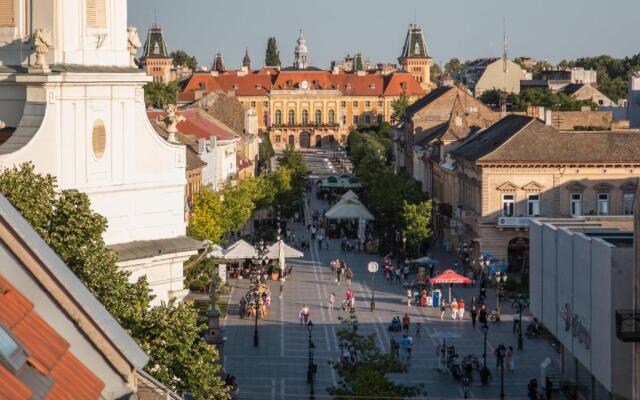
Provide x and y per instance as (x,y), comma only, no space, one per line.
(573,323)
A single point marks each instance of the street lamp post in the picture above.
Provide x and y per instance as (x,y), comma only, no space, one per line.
(502,375)
(519,307)
(484,374)
(311,368)
(373,268)
(501,278)
(256,299)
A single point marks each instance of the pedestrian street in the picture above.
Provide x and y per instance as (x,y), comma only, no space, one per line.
(277,368)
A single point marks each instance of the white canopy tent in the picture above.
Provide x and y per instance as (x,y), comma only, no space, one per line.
(216,251)
(349,209)
(239,251)
(350,195)
(281,248)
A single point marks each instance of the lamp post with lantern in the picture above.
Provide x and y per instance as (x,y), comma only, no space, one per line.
(484,373)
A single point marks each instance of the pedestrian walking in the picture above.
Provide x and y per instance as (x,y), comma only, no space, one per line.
(482,317)
(409,295)
(398,274)
(443,308)
(338,273)
(508,358)
(548,388)
(306,314)
(454,309)
(532,389)
(405,271)
(320,239)
(301,316)
(474,315)
(349,275)
(406,321)
(410,346)
(350,299)
(405,343)
(461,309)
(500,354)
(516,321)
(332,299)
(243,307)
(417,330)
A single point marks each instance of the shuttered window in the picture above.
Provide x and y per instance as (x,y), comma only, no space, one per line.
(99,139)
(7,13)
(96,13)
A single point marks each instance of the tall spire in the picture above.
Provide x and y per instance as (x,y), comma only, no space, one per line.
(414,44)
(218,63)
(301,53)
(246,61)
(505,55)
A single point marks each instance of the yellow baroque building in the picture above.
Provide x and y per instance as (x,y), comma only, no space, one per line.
(309,106)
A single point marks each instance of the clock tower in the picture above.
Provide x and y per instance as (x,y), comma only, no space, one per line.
(415,57)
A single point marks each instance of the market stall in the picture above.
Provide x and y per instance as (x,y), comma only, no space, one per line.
(450,277)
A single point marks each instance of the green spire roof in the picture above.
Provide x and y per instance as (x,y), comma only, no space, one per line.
(414,44)
(155,46)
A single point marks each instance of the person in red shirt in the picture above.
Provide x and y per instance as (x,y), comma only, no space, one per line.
(349,296)
(405,323)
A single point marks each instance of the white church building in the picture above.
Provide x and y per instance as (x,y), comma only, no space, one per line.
(72,102)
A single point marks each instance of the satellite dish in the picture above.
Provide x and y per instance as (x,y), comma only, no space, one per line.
(304,85)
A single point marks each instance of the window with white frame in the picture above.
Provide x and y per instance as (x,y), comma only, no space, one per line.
(576,204)
(533,205)
(603,203)
(628,200)
(508,205)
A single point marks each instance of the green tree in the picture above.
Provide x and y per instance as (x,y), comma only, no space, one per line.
(436,73)
(265,151)
(536,97)
(272,55)
(168,333)
(358,66)
(206,220)
(158,95)
(368,375)
(399,107)
(453,66)
(182,59)
(416,219)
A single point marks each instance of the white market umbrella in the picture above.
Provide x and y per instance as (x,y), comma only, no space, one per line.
(239,251)
(216,251)
(349,209)
(280,248)
(349,195)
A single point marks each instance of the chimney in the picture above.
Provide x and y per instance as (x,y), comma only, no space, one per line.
(202,146)
(548,118)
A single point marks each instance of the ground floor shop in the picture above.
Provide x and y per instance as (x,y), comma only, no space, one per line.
(307,137)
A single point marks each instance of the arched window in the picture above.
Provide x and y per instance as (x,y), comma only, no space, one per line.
(332,117)
(278,117)
(318,117)
(305,117)
(292,117)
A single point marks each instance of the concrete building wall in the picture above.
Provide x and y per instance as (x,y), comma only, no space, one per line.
(494,77)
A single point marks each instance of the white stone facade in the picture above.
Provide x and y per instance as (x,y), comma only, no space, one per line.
(85,123)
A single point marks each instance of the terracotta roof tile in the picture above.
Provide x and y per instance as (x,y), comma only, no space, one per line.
(13,305)
(199,124)
(72,380)
(48,353)
(11,388)
(398,82)
(43,343)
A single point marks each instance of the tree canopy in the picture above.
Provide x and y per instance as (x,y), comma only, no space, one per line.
(272,55)
(399,106)
(167,333)
(536,97)
(158,95)
(366,376)
(416,219)
(182,59)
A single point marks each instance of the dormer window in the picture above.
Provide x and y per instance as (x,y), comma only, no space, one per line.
(348,86)
(7,14)
(289,83)
(258,86)
(96,13)
(372,86)
(235,86)
(403,85)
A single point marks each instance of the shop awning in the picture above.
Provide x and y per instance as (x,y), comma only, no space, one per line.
(349,209)
(239,251)
(280,248)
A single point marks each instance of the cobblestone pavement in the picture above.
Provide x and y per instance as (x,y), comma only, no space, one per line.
(276,369)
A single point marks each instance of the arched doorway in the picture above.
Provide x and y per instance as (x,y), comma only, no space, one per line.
(518,254)
(305,139)
(318,141)
(292,141)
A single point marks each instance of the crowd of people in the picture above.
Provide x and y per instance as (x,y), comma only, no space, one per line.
(255,301)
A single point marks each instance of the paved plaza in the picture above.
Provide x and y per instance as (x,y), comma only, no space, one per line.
(276,369)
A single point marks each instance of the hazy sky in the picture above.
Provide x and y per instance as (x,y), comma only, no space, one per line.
(544,29)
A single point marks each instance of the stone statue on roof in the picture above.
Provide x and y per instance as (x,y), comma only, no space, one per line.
(42,42)
(172,119)
(133,44)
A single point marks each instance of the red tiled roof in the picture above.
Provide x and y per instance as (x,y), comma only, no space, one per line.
(48,352)
(259,84)
(394,85)
(199,124)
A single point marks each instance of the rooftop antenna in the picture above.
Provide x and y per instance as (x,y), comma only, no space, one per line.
(505,57)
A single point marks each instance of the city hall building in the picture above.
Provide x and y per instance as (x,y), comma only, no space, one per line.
(304,106)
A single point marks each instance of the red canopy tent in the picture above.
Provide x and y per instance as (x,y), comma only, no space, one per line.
(450,276)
